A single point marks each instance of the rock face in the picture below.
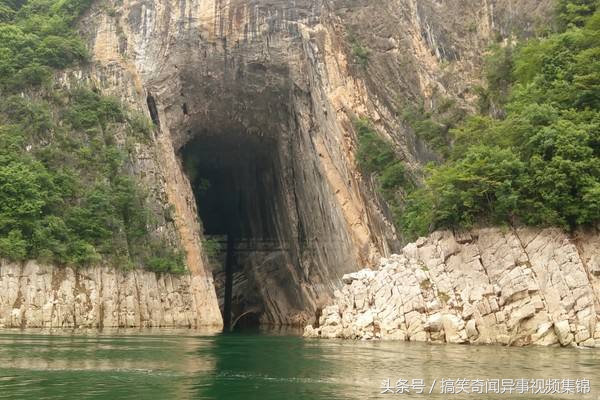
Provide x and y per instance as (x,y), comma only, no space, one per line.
(38,296)
(512,286)
(284,73)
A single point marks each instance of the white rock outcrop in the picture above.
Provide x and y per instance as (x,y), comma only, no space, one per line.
(508,286)
(39,296)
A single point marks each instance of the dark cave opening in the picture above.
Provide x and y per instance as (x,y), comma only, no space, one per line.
(234,179)
(237,185)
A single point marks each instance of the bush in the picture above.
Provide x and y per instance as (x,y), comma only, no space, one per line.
(393,176)
(34,38)
(13,246)
(82,253)
(540,164)
(89,109)
(361,54)
(374,153)
(416,217)
(433,126)
(479,187)
(6,13)
(32,75)
(24,193)
(65,194)
(574,13)
(51,239)
(140,125)
(499,74)
(166,260)
(59,52)
(212,248)
(376,156)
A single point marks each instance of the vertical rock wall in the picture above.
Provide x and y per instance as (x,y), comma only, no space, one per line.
(40,296)
(215,67)
(284,69)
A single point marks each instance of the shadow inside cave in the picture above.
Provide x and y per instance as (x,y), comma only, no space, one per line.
(238,186)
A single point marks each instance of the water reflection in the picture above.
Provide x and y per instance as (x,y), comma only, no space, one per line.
(248,366)
(149,364)
(253,367)
(172,364)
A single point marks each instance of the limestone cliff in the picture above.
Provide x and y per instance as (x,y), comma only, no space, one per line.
(281,75)
(40,296)
(511,286)
(259,96)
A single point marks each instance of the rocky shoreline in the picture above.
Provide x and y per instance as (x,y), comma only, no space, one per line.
(505,286)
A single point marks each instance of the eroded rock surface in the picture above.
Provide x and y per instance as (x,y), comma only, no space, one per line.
(511,286)
(39,296)
(286,72)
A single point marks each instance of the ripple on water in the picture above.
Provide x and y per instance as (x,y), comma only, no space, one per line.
(178,364)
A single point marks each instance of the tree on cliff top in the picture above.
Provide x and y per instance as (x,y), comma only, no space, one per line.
(66,196)
(540,163)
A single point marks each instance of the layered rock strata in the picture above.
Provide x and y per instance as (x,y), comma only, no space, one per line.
(511,287)
(39,296)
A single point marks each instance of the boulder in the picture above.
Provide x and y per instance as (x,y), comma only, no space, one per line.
(364,274)
(563,332)
(453,328)
(471,330)
(433,323)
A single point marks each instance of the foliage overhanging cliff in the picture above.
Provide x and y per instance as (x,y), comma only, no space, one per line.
(532,153)
(66,194)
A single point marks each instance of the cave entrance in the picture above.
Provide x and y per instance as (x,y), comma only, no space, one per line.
(237,185)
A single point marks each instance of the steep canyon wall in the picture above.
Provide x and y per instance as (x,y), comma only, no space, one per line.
(284,72)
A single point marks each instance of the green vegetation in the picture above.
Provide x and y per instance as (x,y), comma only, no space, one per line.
(434,126)
(164,259)
(498,74)
(376,156)
(66,196)
(36,36)
(444,298)
(537,162)
(359,51)
(213,249)
(574,13)
(426,284)
(361,54)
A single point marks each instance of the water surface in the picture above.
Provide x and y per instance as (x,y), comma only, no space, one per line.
(184,364)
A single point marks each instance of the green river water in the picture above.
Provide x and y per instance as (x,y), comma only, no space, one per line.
(184,364)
